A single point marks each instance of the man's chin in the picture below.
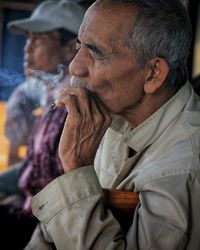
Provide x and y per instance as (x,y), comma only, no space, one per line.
(28,72)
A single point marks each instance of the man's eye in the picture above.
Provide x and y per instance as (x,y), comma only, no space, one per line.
(96,52)
(78,46)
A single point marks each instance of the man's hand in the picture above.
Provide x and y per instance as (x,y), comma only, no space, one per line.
(86,123)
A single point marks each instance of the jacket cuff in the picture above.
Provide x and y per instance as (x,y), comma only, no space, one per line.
(64,191)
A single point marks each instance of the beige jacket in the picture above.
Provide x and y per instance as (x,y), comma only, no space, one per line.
(165,171)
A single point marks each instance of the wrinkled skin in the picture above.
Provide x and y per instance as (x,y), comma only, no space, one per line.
(100,66)
(106,66)
(86,123)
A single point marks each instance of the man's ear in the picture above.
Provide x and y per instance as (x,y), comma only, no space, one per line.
(157,71)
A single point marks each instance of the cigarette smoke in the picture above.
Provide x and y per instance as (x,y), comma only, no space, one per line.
(9,80)
(51,80)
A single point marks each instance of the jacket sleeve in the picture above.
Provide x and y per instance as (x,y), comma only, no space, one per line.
(72,211)
(40,240)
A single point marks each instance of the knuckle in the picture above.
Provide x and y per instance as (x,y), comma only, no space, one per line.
(77,121)
(99,120)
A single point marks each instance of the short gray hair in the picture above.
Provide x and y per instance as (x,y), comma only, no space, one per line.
(162,29)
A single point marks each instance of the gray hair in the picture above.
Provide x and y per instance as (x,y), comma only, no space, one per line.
(162,29)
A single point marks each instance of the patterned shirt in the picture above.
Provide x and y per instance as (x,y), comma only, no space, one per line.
(42,163)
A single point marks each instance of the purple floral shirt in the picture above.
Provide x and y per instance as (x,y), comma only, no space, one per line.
(42,163)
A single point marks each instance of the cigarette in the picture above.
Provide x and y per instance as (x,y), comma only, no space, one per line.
(53,106)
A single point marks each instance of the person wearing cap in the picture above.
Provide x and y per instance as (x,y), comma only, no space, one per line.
(31,94)
(133,124)
(51,32)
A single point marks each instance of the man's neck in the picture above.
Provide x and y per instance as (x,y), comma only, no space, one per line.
(148,106)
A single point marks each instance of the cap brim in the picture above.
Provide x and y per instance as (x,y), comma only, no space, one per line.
(31,25)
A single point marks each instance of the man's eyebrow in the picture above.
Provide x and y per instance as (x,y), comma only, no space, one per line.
(93,47)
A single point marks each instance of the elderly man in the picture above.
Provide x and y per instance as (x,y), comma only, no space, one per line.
(133,124)
(51,30)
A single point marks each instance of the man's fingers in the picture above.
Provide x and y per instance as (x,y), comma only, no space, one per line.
(81,98)
(99,110)
(70,102)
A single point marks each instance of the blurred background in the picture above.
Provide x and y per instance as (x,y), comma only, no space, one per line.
(11,64)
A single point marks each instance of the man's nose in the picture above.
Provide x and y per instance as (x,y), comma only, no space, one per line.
(28,46)
(79,65)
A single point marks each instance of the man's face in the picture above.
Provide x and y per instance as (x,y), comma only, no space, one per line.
(43,52)
(104,62)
